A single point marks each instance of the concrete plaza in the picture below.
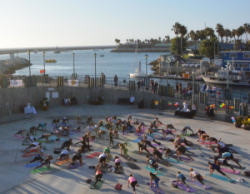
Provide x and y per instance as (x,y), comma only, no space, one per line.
(15,178)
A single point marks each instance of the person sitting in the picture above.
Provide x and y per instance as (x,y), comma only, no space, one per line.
(76,156)
(64,155)
(42,125)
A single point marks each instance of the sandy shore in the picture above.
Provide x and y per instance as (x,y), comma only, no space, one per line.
(10,66)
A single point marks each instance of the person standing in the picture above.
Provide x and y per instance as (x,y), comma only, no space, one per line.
(207,110)
(177,87)
(185,106)
(180,88)
(152,85)
(132,101)
(155,87)
(142,84)
(138,85)
(115,80)
(204,88)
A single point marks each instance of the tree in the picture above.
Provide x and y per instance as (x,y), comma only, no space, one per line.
(159,39)
(247,28)
(177,48)
(209,32)
(202,35)
(239,32)
(207,47)
(167,38)
(176,29)
(193,37)
(227,34)
(183,32)
(233,34)
(220,31)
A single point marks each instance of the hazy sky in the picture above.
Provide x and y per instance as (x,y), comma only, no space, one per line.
(38,23)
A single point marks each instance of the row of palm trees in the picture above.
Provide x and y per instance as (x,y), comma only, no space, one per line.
(151,40)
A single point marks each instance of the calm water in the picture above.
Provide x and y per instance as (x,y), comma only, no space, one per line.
(120,64)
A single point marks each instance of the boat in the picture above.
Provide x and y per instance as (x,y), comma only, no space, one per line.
(138,73)
(101,55)
(96,49)
(50,61)
(225,75)
(57,50)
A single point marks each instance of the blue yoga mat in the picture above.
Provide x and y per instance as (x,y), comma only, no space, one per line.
(173,160)
(136,140)
(223,178)
(191,148)
(32,165)
(153,171)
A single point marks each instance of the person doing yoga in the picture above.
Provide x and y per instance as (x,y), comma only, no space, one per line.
(168,131)
(200,133)
(56,122)
(158,155)
(216,166)
(183,150)
(150,131)
(110,134)
(222,162)
(147,142)
(156,180)
(46,136)
(102,159)
(129,126)
(33,130)
(45,162)
(106,151)
(89,120)
(98,175)
(142,147)
(65,121)
(67,144)
(182,179)
(169,153)
(42,126)
(123,129)
(129,118)
(33,145)
(64,155)
(115,133)
(230,156)
(37,149)
(221,150)
(117,163)
(21,132)
(29,138)
(123,149)
(133,182)
(170,127)
(76,156)
(156,121)
(194,175)
(37,157)
(151,162)
(184,130)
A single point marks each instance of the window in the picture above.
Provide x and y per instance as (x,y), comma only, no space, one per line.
(233,55)
(244,65)
(246,55)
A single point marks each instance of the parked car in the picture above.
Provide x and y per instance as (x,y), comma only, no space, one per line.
(192,65)
(198,65)
(185,65)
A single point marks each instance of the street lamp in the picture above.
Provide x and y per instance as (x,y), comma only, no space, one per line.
(74,65)
(146,56)
(95,69)
(44,65)
(29,66)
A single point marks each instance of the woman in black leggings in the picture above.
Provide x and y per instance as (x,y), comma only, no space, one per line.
(98,175)
(45,162)
(133,182)
(213,167)
(36,158)
(142,147)
(224,162)
(182,150)
(169,153)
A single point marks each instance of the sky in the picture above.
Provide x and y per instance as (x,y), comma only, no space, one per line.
(51,23)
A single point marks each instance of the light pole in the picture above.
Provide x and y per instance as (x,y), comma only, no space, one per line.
(146,56)
(95,69)
(193,74)
(74,65)
(44,66)
(29,66)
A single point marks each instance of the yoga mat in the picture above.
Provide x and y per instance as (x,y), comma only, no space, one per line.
(143,152)
(151,150)
(184,158)
(208,143)
(194,148)
(182,186)
(32,165)
(120,170)
(133,166)
(42,169)
(167,138)
(153,171)
(136,140)
(229,171)
(139,134)
(98,185)
(43,141)
(54,138)
(236,166)
(155,145)
(173,160)
(220,178)
(154,189)
(197,183)
(29,155)
(61,162)
(19,137)
(93,155)
(75,166)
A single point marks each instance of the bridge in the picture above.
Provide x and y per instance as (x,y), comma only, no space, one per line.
(12,51)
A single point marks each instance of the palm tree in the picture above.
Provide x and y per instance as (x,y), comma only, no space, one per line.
(239,32)
(247,28)
(183,32)
(233,33)
(167,38)
(209,32)
(220,30)
(159,39)
(193,36)
(176,29)
(227,34)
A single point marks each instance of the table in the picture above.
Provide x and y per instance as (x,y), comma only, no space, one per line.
(28,110)
(185,114)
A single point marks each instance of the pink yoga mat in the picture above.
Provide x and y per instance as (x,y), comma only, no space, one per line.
(18,136)
(93,155)
(208,143)
(158,125)
(230,171)
(155,145)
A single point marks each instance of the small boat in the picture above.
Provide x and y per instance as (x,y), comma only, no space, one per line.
(101,55)
(137,74)
(50,61)
(57,50)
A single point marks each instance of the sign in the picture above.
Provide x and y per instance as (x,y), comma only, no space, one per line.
(16,83)
(73,83)
(42,71)
(54,94)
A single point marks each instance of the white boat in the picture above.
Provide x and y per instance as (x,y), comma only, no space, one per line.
(137,74)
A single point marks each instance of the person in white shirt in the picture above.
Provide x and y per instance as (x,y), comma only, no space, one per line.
(34,144)
(102,159)
(185,106)
(194,175)
(63,155)
(132,101)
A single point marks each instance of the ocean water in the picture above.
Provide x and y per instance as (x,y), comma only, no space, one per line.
(120,64)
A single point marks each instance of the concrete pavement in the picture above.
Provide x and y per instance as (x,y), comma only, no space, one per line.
(15,178)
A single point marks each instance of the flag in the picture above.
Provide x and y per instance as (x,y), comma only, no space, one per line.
(42,71)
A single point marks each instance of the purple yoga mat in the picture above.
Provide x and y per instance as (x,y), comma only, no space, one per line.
(184,158)
(155,145)
(154,189)
(230,171)
(197,183)
(75,166)
(184,187)
(139,134)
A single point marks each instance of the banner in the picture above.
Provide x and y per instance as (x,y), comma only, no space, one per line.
(42,71)
(73,82)
(16,83)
